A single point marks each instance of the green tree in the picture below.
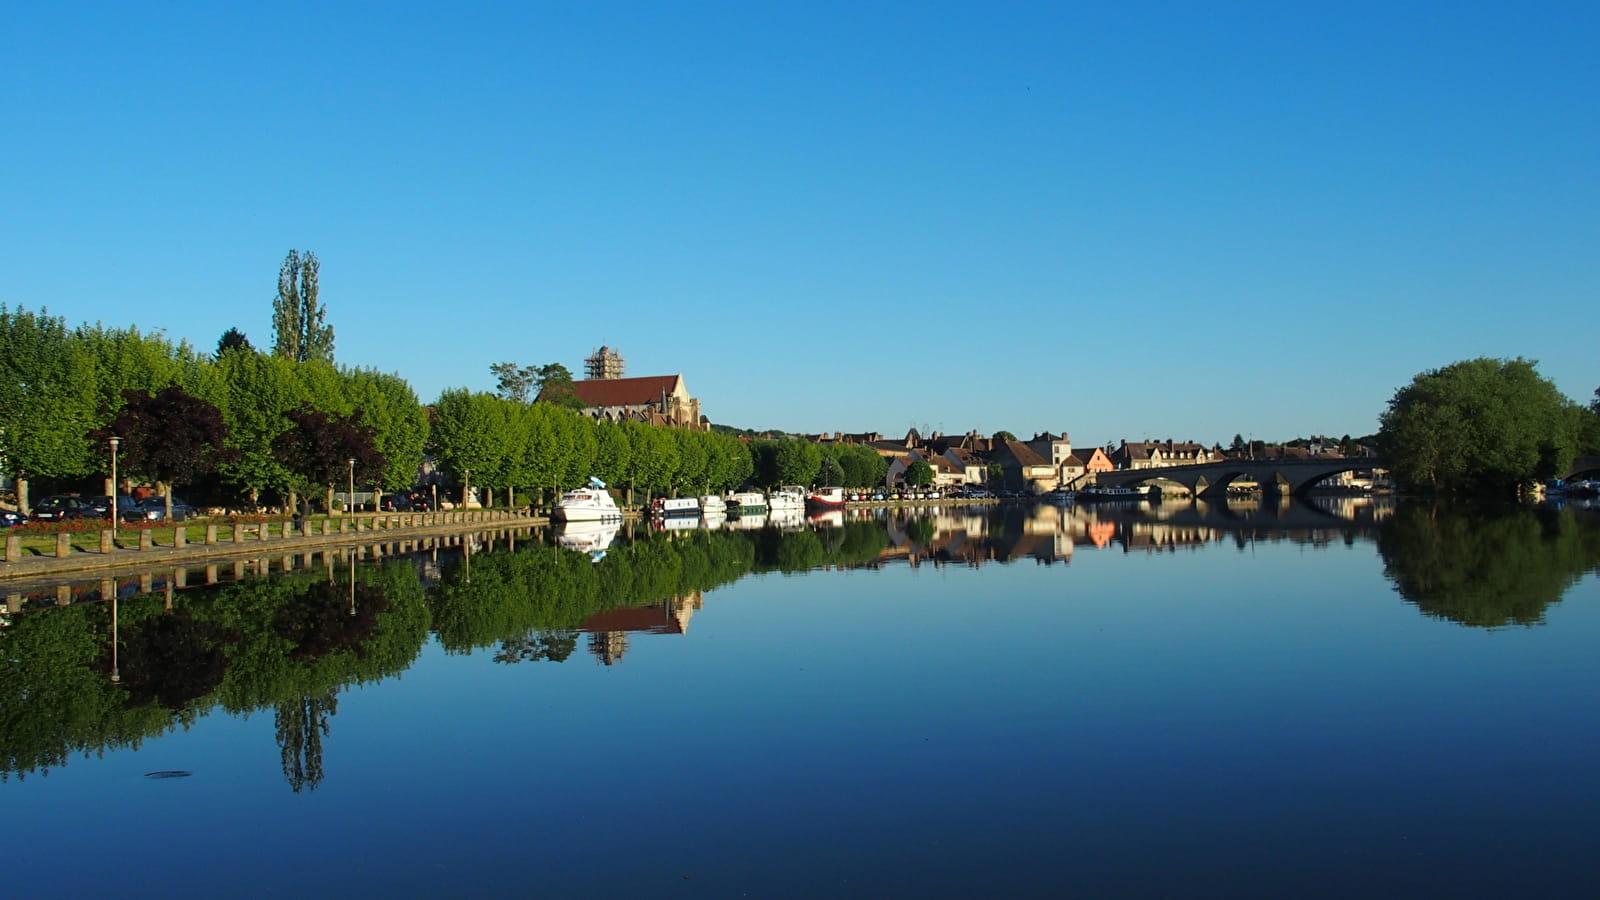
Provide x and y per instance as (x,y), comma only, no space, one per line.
(254,392)
(555,386)
(234,339)
(390,408)
(1481,426)
(48,400)
(513,382)
(469,435)
(1238,443)
(299,331)
(919,474)
(1004,436)
(830,472)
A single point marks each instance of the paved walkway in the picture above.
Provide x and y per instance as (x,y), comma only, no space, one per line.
(380,529)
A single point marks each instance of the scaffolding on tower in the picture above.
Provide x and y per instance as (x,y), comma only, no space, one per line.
(604,363)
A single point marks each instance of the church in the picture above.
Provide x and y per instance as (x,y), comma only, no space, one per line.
(652,399)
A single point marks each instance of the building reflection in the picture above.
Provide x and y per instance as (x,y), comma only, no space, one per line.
(608,630)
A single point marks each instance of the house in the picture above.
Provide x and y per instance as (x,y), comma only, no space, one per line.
(1158,454)
(1023,468)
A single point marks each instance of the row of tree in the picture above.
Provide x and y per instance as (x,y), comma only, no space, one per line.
(253,423)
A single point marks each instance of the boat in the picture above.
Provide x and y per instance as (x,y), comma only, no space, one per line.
(746,503)
(592,503)
(712,505)
(1101,494)
(825,498)
(675,507)
(1061,497)
(786,498)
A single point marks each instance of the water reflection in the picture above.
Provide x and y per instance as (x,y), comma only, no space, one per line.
(90,676)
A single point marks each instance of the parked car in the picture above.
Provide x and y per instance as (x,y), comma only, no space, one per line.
(155,510)
(10,518)
(395,503)
(55,508)
(128,509)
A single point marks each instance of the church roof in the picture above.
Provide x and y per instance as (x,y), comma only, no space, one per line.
(625,391)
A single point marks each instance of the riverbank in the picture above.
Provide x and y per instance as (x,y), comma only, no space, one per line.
(196,544)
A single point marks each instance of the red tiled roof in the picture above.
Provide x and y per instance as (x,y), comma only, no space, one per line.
(624,391)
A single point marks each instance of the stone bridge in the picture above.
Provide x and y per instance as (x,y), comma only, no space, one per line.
(1586,466)
(1286,476)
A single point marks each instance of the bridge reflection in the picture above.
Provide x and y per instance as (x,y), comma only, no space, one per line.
(974,535)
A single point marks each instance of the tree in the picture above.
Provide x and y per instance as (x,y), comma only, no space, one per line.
(830,472)
(299,332)
(1238,443)
(919,474)
(1004,436)
(47,399)
(1481,426)
(996,474)
(233,339)
(513,382)
(171,437)
(318,447)
(555,386)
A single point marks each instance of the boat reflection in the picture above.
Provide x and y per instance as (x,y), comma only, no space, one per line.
(593,538)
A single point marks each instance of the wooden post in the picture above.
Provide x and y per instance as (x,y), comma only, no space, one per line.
(63,545)
(211,534)
(108,540)
(147,539)
(13,548)
(180,536)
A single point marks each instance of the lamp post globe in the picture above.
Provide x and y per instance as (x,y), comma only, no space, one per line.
(113,441)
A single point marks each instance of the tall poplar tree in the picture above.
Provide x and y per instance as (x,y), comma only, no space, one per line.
(299,330)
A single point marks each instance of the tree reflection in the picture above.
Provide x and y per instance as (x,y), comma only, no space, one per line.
(1484,566)
(327,618)
(301,725)
(173,659)
(554,646)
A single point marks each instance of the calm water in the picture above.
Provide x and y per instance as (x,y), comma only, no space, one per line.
(1327,700)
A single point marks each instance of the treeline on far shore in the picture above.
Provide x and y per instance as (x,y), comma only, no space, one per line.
(243,427)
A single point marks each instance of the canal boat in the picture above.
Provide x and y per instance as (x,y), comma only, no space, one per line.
(826,498)
(592,503)
(675,507)
(1102,494)
(712,505)
(747,503)
(788,497)
(1061,497)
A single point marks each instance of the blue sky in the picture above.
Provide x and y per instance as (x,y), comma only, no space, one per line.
(1117,220)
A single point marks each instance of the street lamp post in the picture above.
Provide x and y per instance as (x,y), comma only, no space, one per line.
(114,441)
(350,492)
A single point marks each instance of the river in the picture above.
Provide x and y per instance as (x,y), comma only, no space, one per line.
(1322,698)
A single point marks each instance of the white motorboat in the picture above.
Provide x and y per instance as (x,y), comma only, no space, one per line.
(592,503)
(747,503)
(712,505)
(788,497)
